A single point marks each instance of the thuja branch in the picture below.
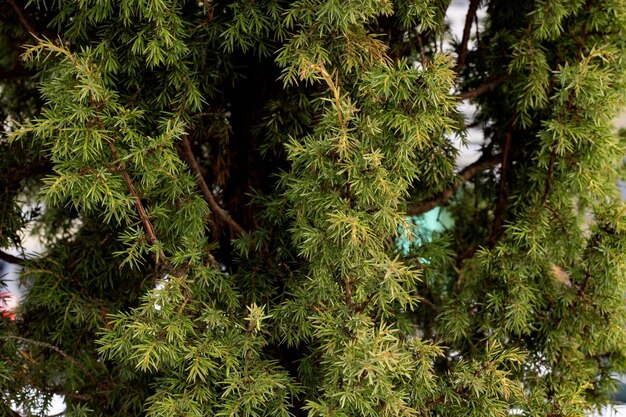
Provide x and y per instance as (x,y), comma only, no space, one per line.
(208,195)
(485,162)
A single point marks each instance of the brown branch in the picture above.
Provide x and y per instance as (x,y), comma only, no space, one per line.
(7,257)
(208,195)
(499,211)
(143,215)
(465,175)
(23,19)
(469,20)
(483,88)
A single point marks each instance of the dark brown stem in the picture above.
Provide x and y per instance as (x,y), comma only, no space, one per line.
(546,191)
(7,257)
(208,195)
(362,306)
(143,215)
(469,20)
(420,45)
(23,19)
(499,211)
(208,5)
(465,175)
(483,88)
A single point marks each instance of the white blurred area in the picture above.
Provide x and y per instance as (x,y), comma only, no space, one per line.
(32,247)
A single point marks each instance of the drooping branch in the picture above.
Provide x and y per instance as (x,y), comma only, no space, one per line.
(469,20)
(465,175)
(7,257)
(208,195)
(337,96)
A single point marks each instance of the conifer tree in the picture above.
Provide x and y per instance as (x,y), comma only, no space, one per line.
(221,187)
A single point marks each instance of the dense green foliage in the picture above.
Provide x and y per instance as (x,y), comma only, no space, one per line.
(220,184)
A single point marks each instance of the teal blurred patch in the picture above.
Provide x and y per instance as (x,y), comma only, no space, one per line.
(419,229)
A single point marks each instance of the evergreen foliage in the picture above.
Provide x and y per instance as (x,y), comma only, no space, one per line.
(220,185)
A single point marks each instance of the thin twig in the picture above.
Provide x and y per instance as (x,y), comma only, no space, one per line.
(143,215)
(469,20)
(69,358)
(7,257)
(23,19)
(465,175)
(208,195)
